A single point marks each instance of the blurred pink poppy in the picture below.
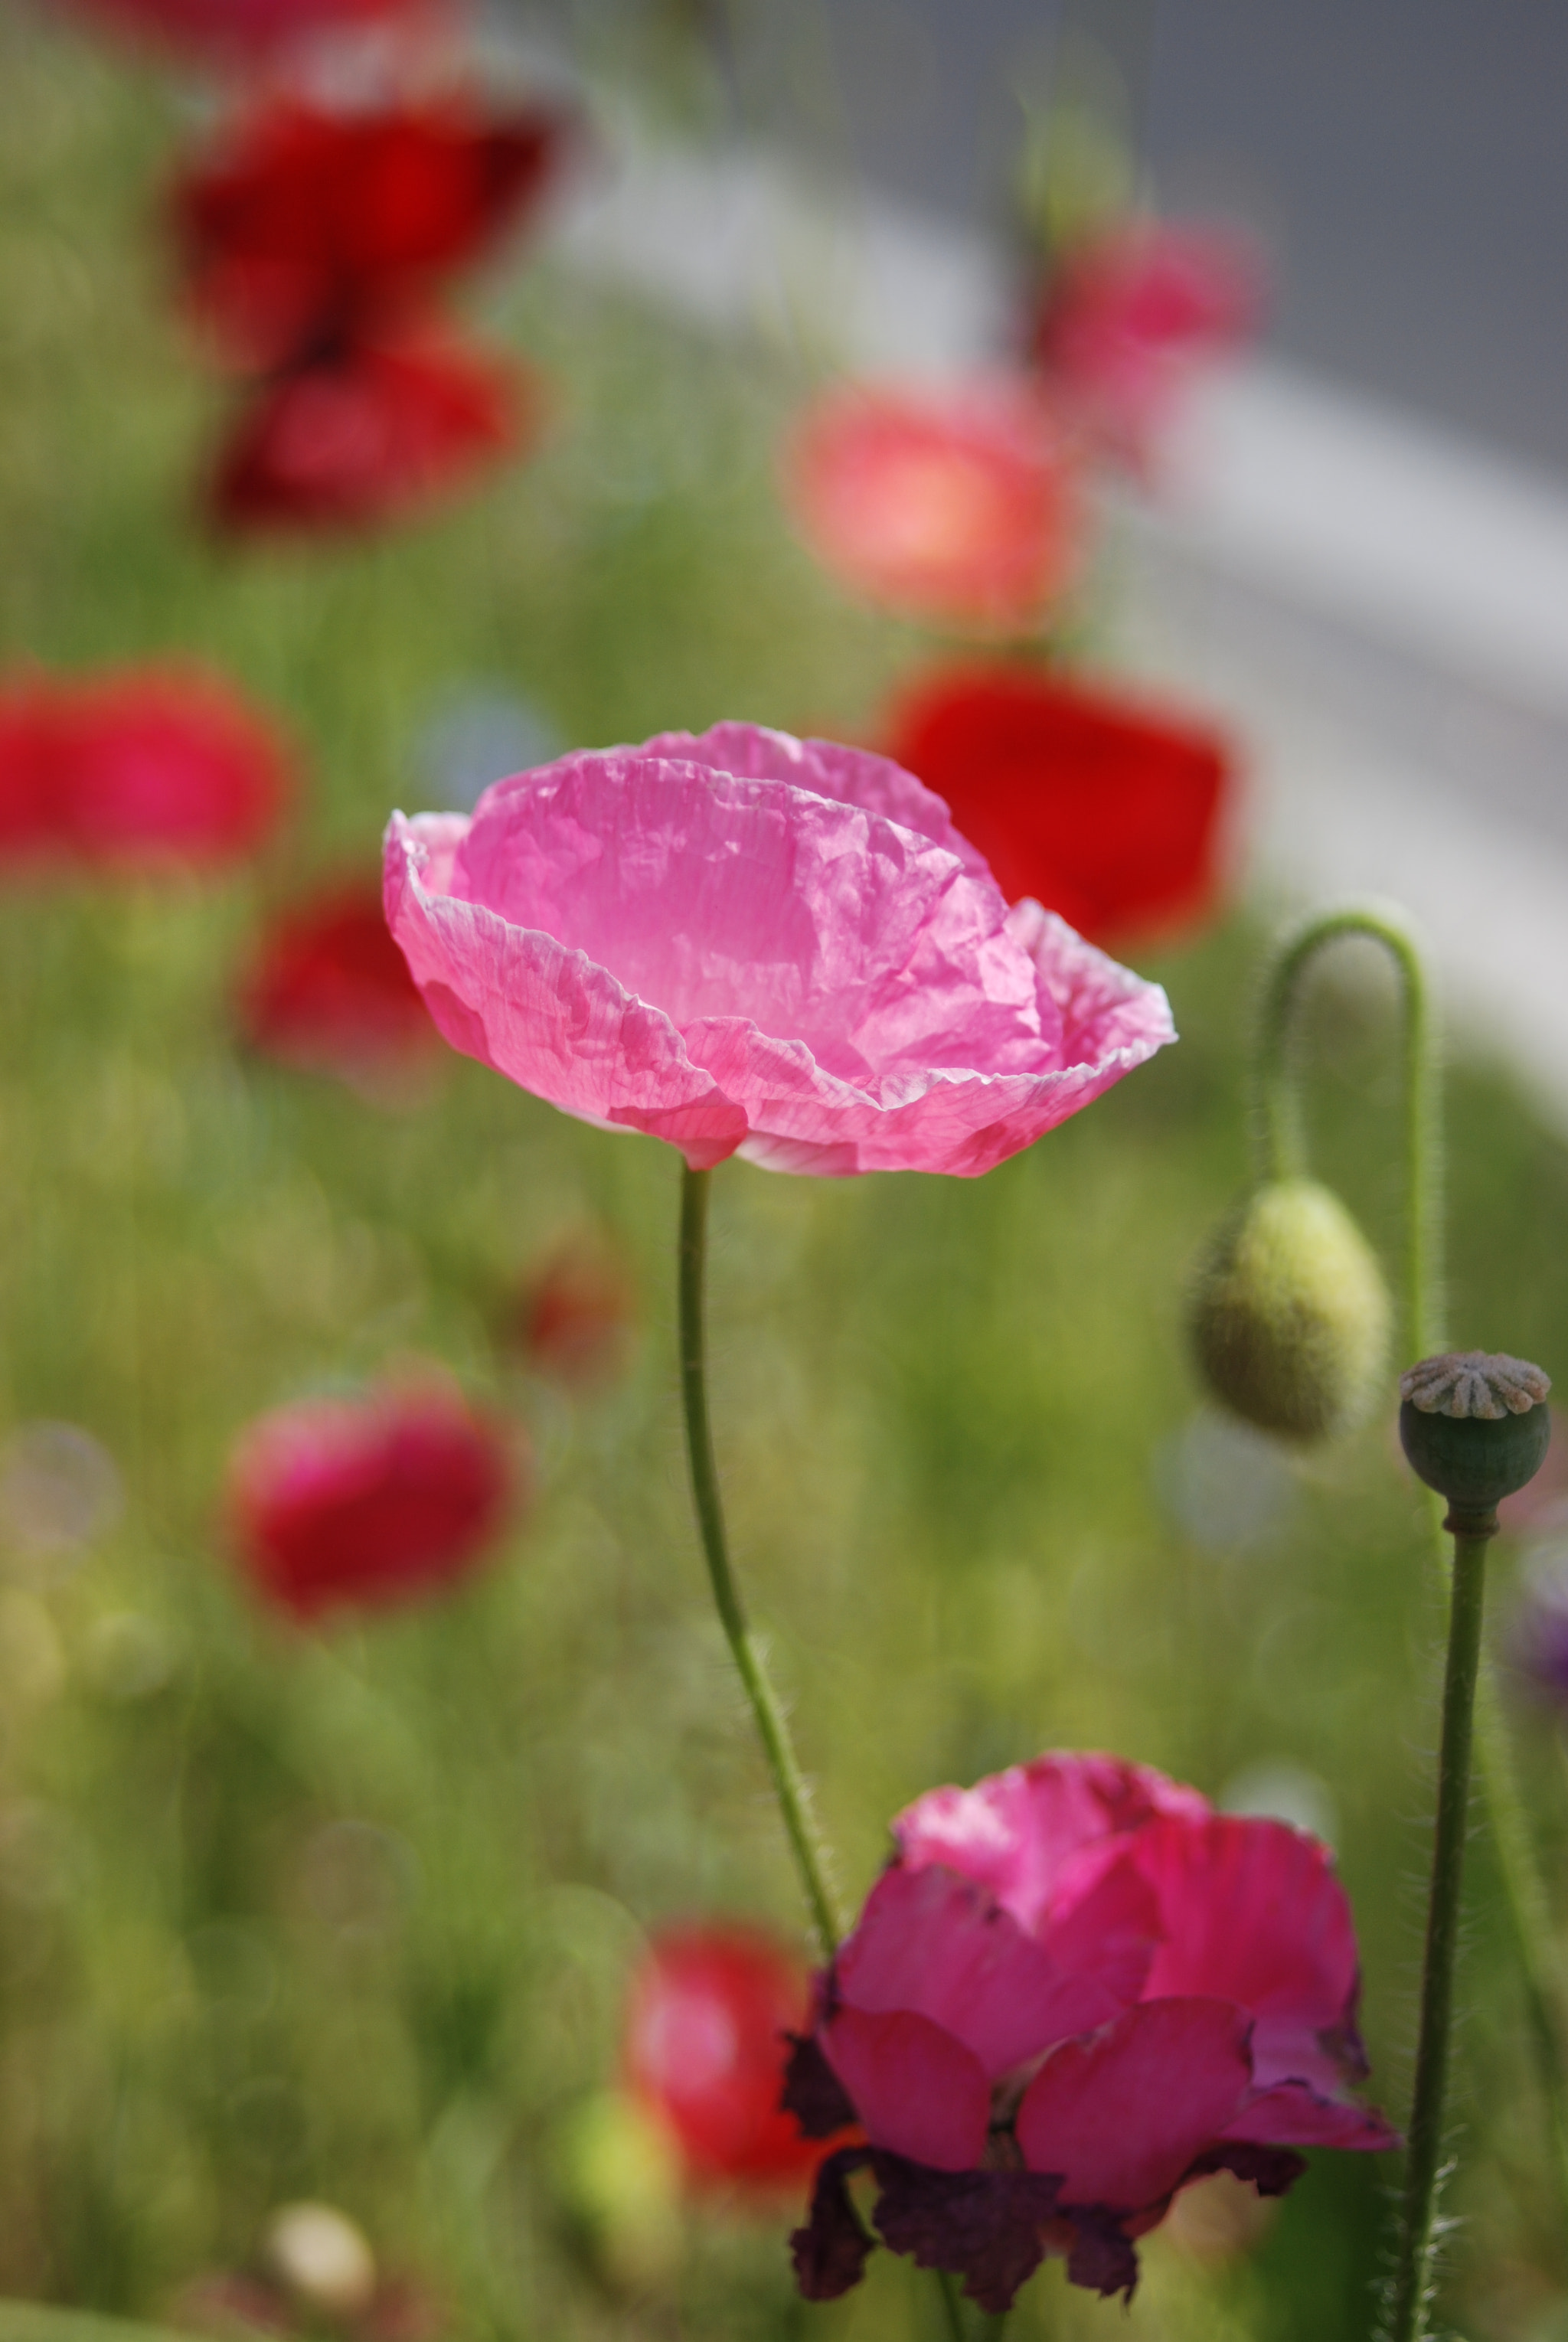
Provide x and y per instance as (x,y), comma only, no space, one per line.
(365,434)
(709,2021)
(1133,315)
(1075,1988)
(331,992)
(308,229)
(370,1500)
(135,767)
(1107,807)
(958,506)
(747,943)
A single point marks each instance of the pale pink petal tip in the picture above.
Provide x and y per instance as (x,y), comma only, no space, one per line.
(740,942)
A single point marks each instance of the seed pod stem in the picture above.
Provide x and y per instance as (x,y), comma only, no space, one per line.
(1282,1153)
(1411,2290)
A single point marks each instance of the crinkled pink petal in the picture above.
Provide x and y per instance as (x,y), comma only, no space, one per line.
(936,1944)
(1017,1831)
(1121,2116)
(734,963)
(916,2089)
(831,769)
(1251,1910)
(1291,2114)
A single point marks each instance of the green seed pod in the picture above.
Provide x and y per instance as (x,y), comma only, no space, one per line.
(1290,1315)
(1475,1427)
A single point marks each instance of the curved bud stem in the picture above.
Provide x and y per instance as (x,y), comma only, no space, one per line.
(1282,1144)
(783,1767)
(1282,1153)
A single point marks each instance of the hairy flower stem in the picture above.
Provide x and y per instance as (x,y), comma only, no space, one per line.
(1282,1153)
(789,1786)
(1411,2288)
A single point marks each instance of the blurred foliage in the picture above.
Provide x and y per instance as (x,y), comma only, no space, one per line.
(346,1916)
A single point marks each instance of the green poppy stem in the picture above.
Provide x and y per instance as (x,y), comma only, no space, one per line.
(1282,1153)
(1410,2289)
(778,1750)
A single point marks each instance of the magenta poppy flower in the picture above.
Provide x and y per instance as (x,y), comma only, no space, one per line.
(138,767)
(1105,807)
(747,943)
(308,229)
(960,508)
(710,2018)
(1075,1988)
(1133,315)
(367,433)
(331,992)
(369,1500)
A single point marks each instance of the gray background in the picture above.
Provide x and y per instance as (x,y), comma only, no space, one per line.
(1406,160)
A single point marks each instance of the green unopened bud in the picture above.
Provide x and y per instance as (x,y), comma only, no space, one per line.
(1290,1316)
(1474,1426)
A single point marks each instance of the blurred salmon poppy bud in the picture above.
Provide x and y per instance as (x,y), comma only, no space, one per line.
(1474,1426)
(708,2027)
(1290,1316)
(578,1318)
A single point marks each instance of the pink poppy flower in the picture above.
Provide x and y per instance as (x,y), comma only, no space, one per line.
(960,508)
(369,1500)
(135,767)
(709,2022)
(331,992)
(747,943)
(366,433)
(1075,1989)
(1133,315)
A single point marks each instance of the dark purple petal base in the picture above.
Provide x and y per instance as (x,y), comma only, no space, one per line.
(813,2092)
(989,2228)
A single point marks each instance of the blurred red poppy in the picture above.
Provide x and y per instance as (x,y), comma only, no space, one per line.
(956,506)
(369,1500)
(1131,316)
(1105,809)
(374,430)
(707,2036)
(330,991)
(579,1318)
(139,766)
(310,228)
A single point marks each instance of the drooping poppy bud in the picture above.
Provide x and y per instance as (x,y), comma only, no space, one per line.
(1474,1426)
(1290,1316)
